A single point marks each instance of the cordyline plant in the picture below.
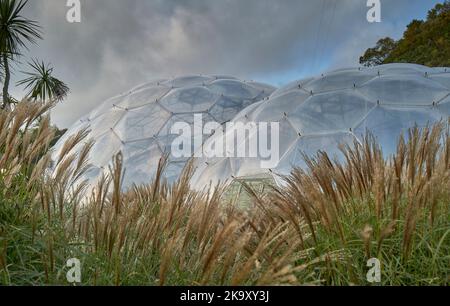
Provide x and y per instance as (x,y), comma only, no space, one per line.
(16,31)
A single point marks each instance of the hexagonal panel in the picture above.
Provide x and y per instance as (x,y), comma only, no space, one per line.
(106,106)
(444,108)
(234,88)
(106,122)
(276,108)
(194,99)
(143,96)
(246,114)
(386,123)
(443,79)
(248,165)
(225,108)
(402,69)
(330,112)
(110,143)
(174,170)
(310,146)
(140,163)
(166,138)
(141,123)
(293,86)
(339,80)
(407,90)
(189,81)
(223,168)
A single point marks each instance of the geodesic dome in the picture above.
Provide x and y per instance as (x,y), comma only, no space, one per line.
(336,108)
(138,122)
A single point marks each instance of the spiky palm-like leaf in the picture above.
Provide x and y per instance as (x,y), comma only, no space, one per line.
(42,84)
(15,30)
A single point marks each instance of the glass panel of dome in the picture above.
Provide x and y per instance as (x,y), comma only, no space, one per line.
(143,97)
(173,171)
(242,165)
(293,86)
(407,90)
(443,79)
(311,145)
(154,83)
(210,144)
(441,70)
(189,81)
(92,176)
(195,99)
(246,114)
(277,108)
(141,123)
(106,106)
(264,89)
(140,167)
(246,167)
(234,88)
(339,80)
(386,123)
(225,108)
(165,142)
(110,143)
(330,112)
(401,69)
(138,147)
(106,122)
(444,108)
(287,136)
(188,118)
(220,172)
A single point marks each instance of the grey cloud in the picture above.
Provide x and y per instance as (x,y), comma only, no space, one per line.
(122,43)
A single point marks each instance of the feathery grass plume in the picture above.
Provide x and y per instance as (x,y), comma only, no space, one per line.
(366,235)
(397,198)
(307,231)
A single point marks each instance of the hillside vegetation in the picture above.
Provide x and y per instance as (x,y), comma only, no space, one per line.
(425,42)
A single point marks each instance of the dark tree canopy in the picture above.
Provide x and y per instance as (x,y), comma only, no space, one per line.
(378,54)
(424,42)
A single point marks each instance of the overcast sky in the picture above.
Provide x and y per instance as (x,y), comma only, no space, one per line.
(122,43)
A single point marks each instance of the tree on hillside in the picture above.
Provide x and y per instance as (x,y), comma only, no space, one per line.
(16,32)
(439,9)
(424,42)
(377,55)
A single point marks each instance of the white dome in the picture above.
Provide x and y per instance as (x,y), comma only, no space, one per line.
(138,122)
(338,107)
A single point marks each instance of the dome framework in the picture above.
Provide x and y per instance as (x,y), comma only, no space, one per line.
(138,123)
(339,107)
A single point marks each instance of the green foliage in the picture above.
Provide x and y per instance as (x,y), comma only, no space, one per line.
(15,32)
(377,55)
(42,84)
(424,42)
(321,227)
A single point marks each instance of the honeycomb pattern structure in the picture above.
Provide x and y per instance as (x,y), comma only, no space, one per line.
(138,123)
(336,108)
